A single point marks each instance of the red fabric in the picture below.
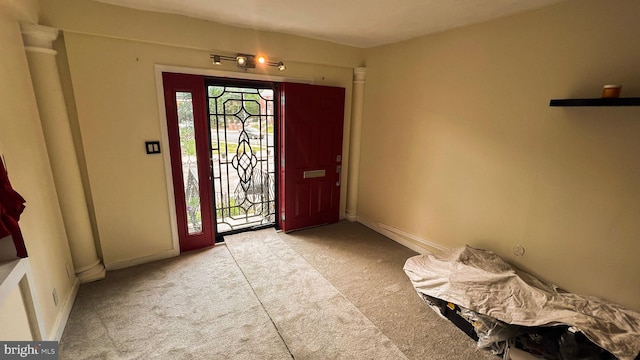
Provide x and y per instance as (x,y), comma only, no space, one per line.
(11,206)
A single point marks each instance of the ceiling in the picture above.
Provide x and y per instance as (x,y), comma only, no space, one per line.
(360,23)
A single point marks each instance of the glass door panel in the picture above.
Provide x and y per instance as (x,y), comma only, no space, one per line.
(243,154)
(186,128)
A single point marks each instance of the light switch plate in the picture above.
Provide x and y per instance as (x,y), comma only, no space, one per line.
(153,147)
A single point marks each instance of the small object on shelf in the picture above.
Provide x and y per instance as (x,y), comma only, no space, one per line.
(611,91)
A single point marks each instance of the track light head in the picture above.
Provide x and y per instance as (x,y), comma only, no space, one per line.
(245,61)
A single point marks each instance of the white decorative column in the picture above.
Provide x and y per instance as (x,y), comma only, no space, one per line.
(357,105)
(41,56)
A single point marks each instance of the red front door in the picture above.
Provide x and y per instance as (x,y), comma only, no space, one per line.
(190,158)
(311,121)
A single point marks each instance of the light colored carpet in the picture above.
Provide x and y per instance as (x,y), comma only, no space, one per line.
(314,319)
(201,305)
(366,268)
(196,306)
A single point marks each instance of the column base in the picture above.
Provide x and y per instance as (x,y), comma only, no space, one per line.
(351,216)
(94,273)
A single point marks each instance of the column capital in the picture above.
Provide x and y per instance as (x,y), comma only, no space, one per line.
(39,38)
(359,74)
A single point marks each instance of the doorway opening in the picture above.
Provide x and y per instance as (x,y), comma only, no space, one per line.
(242,121)
(228,140)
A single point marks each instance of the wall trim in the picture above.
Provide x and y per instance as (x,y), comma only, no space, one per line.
(36,49)
(413,242)
(413,237)
(166,157)
(17,273)
(121,264)
(226,74)
(63,314)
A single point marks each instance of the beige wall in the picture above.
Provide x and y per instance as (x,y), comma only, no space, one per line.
(461,147)
(23,146)
(114,84)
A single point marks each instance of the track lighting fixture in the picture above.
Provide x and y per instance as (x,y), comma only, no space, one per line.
(243,61)
(246,61)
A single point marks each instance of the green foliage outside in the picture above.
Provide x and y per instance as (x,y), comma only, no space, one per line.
(232,148)
(233,209)
(193,212)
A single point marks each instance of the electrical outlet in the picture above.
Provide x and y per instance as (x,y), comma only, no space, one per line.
(55,296)
(518,250)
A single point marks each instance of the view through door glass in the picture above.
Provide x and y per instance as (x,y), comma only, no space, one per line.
(243,154)
(186,132)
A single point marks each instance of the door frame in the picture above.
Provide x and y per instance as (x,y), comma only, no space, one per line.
(164,132)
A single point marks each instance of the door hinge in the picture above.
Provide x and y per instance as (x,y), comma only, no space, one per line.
(282,217)
(282,161)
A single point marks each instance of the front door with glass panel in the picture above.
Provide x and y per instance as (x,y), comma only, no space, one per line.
(223,156)
(226,159)
(242,120)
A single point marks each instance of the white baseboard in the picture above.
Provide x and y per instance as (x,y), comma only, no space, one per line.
(63,315)
(413,242)
(121,264)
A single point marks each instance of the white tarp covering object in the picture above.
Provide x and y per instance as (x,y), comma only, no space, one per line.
(482,282)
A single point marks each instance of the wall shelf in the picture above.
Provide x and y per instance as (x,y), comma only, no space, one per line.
(631,101)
